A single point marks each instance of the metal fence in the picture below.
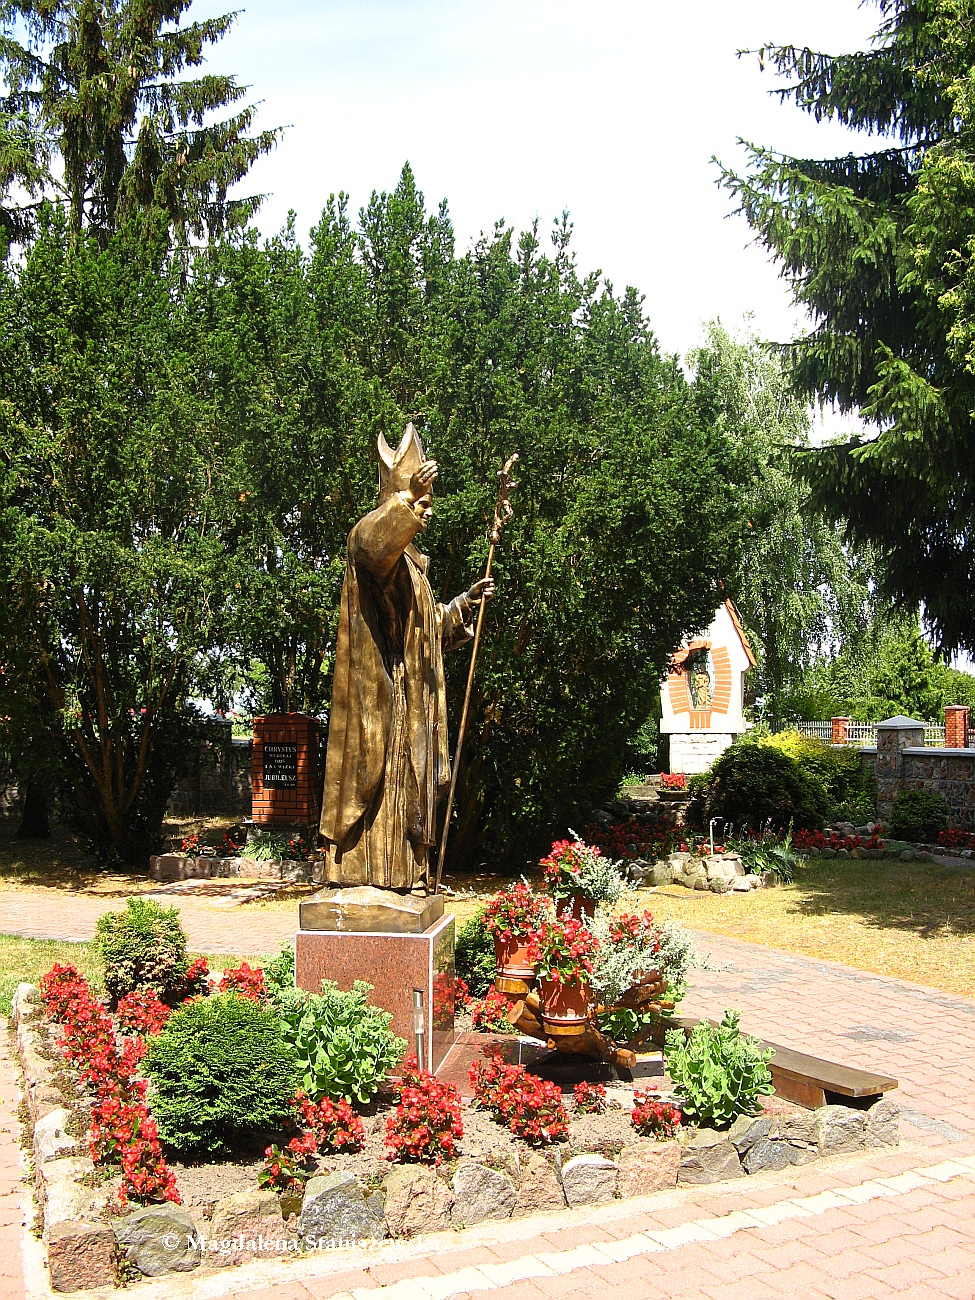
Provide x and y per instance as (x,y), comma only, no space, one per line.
(865,733)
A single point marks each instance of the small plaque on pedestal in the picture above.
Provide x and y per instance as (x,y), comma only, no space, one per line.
(412,976)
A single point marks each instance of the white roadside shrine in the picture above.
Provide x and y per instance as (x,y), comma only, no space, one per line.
(702,696)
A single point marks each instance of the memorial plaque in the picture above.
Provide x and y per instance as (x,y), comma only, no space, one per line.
(280,764)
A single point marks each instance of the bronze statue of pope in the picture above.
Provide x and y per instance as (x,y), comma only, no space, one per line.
(388,762)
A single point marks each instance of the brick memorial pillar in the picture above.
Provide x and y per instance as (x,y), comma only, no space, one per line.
(285,782)
(956,726)
(893,737)
(841,731)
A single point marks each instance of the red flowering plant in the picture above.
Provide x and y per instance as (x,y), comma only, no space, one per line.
(297,849)
(334,1124)
(462,993)
(573,868)
(563,951)
(514,913)
(653,1117)
(489,1015)
(287,1171)
(246,981)
(673,781)
(230,845)
(956,839)
(531,1107)
(190,847)
(121,1126)
(197,979)
(141,1012)
(145,1174)
(426,1124)
(631,839)
(589,1098)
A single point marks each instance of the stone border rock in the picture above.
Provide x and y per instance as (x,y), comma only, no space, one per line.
(721,873)
(169,867)
(86,1248)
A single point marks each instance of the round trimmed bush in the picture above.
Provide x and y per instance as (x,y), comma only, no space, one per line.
(143,947)
(221,1075)
(919,815)
(752,785)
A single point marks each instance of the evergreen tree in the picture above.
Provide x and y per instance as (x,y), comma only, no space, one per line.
(800,593)
(96,113)
(878,247)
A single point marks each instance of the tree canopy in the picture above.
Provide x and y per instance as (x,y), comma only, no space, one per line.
(878,248)
(96,112)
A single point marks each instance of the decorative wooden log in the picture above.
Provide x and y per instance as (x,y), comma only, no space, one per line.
(526,1017)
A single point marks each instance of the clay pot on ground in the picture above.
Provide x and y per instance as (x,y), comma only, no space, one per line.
(564,1005)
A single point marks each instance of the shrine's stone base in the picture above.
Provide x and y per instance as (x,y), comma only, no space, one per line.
(364,909)
(397,966)
(694,751)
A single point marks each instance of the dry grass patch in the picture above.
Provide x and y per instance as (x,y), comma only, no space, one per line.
(915,921)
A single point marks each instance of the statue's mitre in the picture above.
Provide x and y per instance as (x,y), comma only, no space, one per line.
(396,468)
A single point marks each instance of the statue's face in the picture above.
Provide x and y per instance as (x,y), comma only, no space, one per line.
(424,509)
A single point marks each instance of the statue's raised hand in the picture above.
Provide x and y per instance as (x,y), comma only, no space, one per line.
(421,484)
(483,588)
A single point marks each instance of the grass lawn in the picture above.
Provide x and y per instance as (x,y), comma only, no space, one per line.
(915,921)
(28,959)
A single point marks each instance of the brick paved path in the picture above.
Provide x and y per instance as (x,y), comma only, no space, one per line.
(896,1224)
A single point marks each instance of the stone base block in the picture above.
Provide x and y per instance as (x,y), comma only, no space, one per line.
(397,966)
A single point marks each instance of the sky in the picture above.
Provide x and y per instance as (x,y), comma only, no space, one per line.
(522,108)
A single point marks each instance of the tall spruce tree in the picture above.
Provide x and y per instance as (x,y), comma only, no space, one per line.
(878,247)
(98,114)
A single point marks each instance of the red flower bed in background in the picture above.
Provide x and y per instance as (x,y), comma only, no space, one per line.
(426,1124)
(812,841)
(531,1107)
(673,781)
(631,839)
(957,839)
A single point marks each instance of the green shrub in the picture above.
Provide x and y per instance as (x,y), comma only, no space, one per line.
(474,955)
(850,789)
(719,1073)
(221,1075)
(755,784)
(279,972)
(919,815)
(143,947)
(342,1043)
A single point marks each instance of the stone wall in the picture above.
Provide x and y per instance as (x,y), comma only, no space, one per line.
(949,772)
(899,763)
(218,782)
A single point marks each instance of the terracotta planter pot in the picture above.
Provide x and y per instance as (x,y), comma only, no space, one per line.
(511,957)
(564,1005)
(578,906)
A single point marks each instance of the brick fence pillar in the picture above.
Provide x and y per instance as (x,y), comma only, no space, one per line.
(956,726)
(841,731)
(284,782)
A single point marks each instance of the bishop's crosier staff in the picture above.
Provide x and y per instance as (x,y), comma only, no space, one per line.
(502,513)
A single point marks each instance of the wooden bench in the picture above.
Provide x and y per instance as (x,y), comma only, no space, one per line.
(808,1080)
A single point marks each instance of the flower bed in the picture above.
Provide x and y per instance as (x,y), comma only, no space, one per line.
(236,1107)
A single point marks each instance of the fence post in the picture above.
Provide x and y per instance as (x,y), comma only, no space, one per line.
(841,731)
(956,726)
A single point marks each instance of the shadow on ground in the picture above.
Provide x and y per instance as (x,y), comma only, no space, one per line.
(926,899)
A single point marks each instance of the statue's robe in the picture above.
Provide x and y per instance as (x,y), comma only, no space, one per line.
(387,762)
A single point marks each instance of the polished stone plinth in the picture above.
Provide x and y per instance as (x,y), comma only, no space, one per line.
(364,909)
(395,965)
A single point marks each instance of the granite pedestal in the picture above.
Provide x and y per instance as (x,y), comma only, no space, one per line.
(397,966)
